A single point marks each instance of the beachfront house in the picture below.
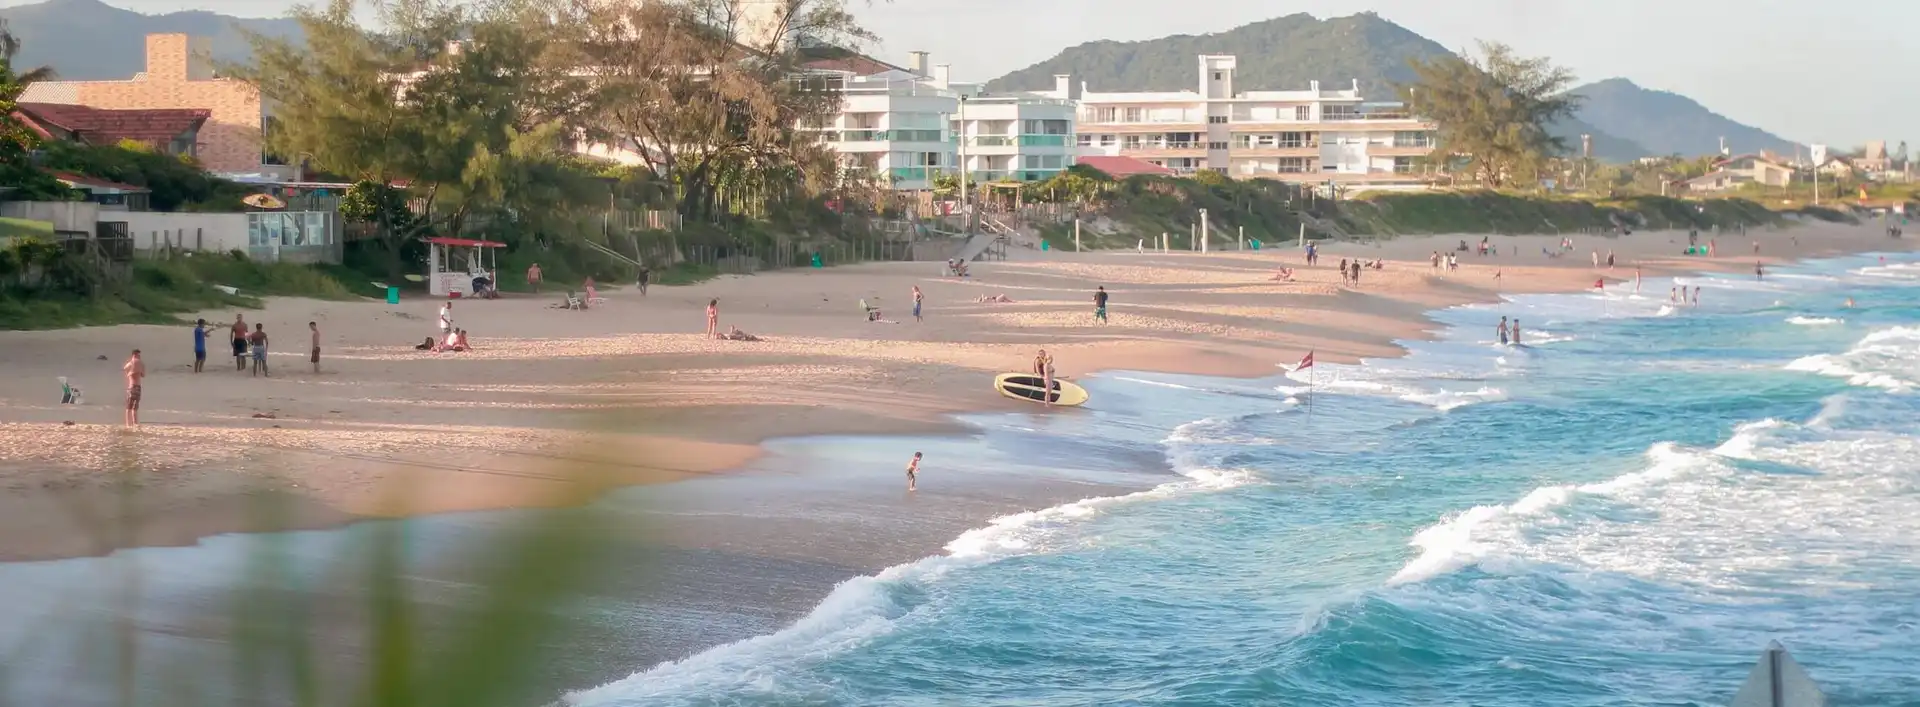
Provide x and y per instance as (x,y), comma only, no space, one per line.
(1756,169)
(178,105)
(1316,135)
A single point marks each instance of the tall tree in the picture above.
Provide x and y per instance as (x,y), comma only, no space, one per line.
(707,93)
(457,104)
(19,178)
(1493,110)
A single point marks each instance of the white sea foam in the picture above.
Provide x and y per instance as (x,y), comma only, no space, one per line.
(861,609)
(1896,271)
(1814,321)
(1701,518)
(1889,358)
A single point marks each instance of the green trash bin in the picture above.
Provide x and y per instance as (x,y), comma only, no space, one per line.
(1043,245)
(393,295)
(1255,242)
(816,260)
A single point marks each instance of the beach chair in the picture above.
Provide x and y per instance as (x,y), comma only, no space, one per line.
(575,303)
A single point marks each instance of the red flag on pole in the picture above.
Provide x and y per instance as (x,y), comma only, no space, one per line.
(1305,363)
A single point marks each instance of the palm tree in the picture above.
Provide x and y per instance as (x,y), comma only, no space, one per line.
(9,46)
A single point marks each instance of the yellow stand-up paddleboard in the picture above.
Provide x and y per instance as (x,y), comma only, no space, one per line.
(1031,388)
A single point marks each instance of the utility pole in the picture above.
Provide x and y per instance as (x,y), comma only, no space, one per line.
(1076,235)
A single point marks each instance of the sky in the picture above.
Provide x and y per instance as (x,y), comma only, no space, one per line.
(1811,71)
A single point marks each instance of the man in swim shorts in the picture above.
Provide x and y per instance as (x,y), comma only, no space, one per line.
(239,330)
(136,374)
(913,468)
(315,328)
(1100,304)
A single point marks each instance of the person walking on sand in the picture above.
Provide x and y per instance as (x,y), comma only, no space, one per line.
(1355,278)
(136,370)
(533,277)
(1100,304)
(199,345)
(315,328)
(641,279)
(258,340)
(446,319)
(239,331)
(913,470)
(917,300)
(713,318)
(1609,260)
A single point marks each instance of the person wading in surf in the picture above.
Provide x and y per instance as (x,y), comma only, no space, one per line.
(913,470)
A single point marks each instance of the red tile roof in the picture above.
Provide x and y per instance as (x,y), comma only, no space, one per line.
(101,126)
(1122,166)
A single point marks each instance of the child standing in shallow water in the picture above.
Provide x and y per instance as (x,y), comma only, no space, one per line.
(913,469)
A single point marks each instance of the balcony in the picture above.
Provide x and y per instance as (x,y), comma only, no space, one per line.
(1164,149)
(888,136)
(1397,150)
(1307,149)
(913,174)
(1044,140)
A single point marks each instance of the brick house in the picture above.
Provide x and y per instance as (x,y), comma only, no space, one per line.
(180,75)
(173,131)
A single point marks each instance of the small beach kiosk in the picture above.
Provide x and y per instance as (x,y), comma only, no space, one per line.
(453,264)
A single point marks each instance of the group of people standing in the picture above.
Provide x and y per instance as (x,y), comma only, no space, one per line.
(248,345)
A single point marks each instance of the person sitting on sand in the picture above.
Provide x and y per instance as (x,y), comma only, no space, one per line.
(1377,264)
(425,345)
(1285,275)
(995,299)
(735,334)
(873,313)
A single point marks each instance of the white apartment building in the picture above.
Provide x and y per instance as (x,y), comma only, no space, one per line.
(909,124)
(1316,135)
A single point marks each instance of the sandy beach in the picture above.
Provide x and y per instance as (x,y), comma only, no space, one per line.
(555,405)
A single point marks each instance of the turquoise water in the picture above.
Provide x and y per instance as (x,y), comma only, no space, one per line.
(1623,513)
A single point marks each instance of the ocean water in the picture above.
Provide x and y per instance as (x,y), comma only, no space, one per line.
(1623,512)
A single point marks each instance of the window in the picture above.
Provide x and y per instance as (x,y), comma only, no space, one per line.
(1242,142)
(1403,165)
(1303,113)
(1412,138)
(1216,145)
(1340,112)
(1084,140)
(1293,165)
(1105,115)
(1216,75)
(1217,119)
(1293,139)
(1131,142)
(1135,115)
(1107,140)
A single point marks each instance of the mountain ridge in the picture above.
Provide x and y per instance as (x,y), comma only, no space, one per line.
(1375,51)
(89,40)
